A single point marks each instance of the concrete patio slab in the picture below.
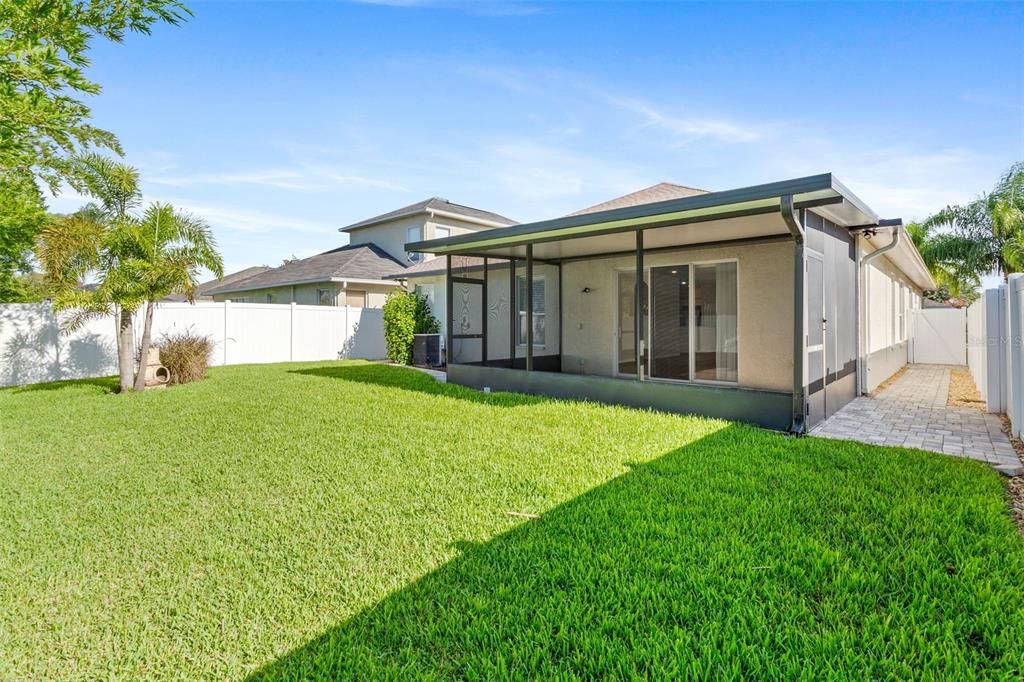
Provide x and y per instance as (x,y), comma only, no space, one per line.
(912,413)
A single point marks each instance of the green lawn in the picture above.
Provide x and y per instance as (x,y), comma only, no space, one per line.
(351,520)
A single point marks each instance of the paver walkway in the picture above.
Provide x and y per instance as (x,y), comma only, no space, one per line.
(912,413)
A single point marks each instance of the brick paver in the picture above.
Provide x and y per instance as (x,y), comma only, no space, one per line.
(912,413)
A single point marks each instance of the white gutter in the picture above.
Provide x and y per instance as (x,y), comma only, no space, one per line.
(863,286)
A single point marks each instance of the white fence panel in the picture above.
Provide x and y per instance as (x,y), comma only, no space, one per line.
(203,318)
(940,336)
(33,350)
(1015,352)
(320,332)
(258,333)
(367,337)
(987,347)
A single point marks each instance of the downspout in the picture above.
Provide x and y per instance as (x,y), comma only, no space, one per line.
(865,287)
(798,423)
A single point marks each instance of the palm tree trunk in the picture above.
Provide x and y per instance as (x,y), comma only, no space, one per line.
(125,343)
(147,329)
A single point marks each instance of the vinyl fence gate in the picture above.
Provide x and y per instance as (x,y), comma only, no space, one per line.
(940,336)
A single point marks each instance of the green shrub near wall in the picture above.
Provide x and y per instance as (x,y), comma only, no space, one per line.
(406,314)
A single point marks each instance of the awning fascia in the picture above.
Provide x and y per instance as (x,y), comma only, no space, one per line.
(808,192)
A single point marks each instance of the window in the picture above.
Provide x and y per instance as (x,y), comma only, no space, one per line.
(240,299)
(324,297)
(270,298)
(355,298)
(538,309)
(414,234)
(901,314)
(442,232)
(427,292)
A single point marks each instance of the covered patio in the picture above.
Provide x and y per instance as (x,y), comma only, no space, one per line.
(551,307)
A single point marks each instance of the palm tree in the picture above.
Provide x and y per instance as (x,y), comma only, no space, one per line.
(135,260)
(90,243)
(169,249)
(987,234)
(952,279)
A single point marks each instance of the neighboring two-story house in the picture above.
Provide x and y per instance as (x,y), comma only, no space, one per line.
(360,274)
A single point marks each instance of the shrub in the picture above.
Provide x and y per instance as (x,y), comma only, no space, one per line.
(406,314)
(186,355)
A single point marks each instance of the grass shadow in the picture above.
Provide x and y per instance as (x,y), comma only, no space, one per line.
(703,563)
(410,379)
(108,384)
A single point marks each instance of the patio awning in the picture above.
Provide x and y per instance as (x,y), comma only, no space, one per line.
(737,214)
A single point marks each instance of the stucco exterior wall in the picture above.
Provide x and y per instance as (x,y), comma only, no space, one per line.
(888,296)
(391,236)
(765,318)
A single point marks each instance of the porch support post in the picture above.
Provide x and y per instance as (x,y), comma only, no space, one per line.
(789,216)
(560,317)
(529,307)
(512,313)
(638,313)
(483,316)
(449,306)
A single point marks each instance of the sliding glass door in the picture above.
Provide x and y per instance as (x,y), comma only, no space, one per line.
(693,322)
(626,360)
(670,322)
(714,308)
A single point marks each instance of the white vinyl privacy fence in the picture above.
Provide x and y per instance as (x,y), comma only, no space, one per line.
(995,353)
(939,336)
(33,350)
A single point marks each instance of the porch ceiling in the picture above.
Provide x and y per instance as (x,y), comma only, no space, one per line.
(748,212)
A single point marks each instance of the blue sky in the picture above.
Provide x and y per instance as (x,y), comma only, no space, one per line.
(280,122)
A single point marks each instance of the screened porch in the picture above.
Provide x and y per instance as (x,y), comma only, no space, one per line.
(715,327)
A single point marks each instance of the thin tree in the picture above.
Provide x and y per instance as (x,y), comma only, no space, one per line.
(93,243)
(171,247)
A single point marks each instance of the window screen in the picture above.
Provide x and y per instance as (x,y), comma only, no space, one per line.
(538,310)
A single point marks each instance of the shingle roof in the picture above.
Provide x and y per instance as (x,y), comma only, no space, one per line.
(432,204)
(663,191)
(363,261)
(436,266)
(203,290)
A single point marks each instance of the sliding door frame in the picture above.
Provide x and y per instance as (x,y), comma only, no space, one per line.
(691,351)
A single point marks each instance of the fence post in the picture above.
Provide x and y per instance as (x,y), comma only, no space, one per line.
(224,358)
(291,333)
(1015,352)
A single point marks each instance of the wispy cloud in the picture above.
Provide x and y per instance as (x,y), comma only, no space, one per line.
(687,129)
(312,179)
(249,220)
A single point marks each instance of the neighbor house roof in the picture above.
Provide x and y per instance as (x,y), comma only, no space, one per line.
(438,206)
(360,262)
(203,290)
(663,191)
(437,266)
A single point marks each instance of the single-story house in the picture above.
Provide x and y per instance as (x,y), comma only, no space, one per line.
(360,274)
(203,290)
(774,304)
(349,275)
